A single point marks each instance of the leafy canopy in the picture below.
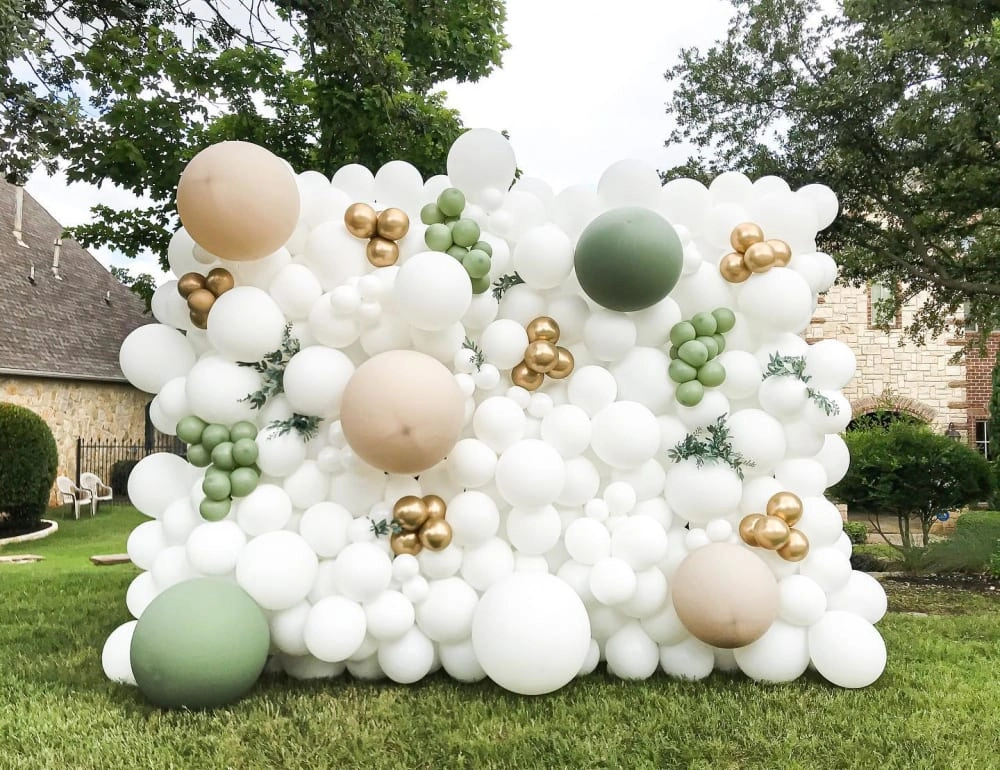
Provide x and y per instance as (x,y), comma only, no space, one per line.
(893,105)
(129,92)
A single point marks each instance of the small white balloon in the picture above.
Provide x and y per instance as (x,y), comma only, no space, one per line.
(846,649)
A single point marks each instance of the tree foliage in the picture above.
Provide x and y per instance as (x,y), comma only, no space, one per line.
(142,285)
(129,92)
(907,471)
(890,103)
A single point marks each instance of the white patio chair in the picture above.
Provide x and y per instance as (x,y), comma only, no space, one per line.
(74,495)
(99,491)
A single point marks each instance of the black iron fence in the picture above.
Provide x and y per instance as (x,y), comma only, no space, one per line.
(114,460)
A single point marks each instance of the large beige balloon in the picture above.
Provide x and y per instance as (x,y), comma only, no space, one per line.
(725,595)
(402,411)
(238,201)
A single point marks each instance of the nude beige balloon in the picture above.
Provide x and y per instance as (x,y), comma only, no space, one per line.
(725,595)
(238,201)
(402,411)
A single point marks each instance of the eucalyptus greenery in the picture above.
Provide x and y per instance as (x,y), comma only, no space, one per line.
(504,282)
(478,359)
(795,366)
(712,443)
(272,369)
(305,425)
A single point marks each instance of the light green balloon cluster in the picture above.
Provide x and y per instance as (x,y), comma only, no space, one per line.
(447,231)
(230,456)
(695,344)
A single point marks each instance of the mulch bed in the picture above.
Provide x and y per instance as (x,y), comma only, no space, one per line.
(981,583)
(17,532)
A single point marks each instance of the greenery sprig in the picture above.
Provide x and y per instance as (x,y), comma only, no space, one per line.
(717,445)
(384,527)
(272,369)
(306,426)
(478,359)
(795,366)
(504,282)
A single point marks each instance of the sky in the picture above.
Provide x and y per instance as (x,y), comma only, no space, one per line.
(581,87)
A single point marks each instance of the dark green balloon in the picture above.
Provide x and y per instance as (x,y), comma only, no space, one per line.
(198,456)
(213,435)
(243,481)
(628,258)
(724,318)
(200,644)
(243,429)
(215,510)
(189,429)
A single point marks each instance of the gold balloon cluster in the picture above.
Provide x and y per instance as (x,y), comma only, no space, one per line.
(774,530)
(201,291)
(421,525)
(542,356)
(381,228)
(752,254)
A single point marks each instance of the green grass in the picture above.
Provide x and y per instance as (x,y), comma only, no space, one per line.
(936,706)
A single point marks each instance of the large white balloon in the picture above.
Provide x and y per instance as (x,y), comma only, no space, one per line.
(846,649)
(154,354)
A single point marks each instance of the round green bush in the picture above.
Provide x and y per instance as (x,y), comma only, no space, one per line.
(28,463)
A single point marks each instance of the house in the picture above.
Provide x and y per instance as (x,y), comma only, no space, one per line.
(63,317)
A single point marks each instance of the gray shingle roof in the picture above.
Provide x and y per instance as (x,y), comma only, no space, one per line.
(58,328)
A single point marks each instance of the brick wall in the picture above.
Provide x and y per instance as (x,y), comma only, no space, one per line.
(979,375)
(74,409)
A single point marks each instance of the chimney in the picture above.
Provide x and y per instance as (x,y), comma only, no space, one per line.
(18,215)
(57,243)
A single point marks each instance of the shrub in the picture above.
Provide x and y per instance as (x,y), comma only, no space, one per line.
(875,557)
(119,477)
(908,471)
(857,532)
(995,562)
(28,463)
(971,547)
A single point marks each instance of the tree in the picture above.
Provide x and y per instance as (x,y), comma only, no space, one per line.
(321,84)
(908,471)
(142,285)
(890,103)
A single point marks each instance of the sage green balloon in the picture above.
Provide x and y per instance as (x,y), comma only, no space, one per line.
(217,486)
(438,237)
(710,345)
(200,644)
(693,352)
(198,456)
(725,319)
(245,452)
(690,393)
(465,233)
(712,374)
(214,510)
(243,481)
(628,258)
(720,341)
(705,324)
(480,285)
(243,429)
(682,332)
(431,215)
(484,246)
(476,263)
(189,429)
(681,372)
(451,201)
(458,252)
(222,456)
(213,435)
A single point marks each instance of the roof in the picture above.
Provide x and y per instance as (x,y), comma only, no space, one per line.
(70,328)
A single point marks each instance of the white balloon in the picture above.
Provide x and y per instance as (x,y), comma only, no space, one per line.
(846,649)
(314,380)
(295,289)
(609,336)
(214,548)
(335,628)
(863,595)
(180,254)
(702,494)
(460,661)
(141,591)
(217,390)
(154,354)
(398,184)
(278,454)
(531,633)
(356,181)
(503,343)
(687,659)
(389,616)
(364,570)
(574,208)
(533,531)
(432,291)
(683,202)
(266,509)
(780,655)
(169,307)
(629,182)
(179,520)
(474,518)
(172,567)
(612,581)
(824,203)
(801,600)
(277,569)
(759,438)
(592,388)
(631,654)
(245,323)
(446,614)
(588,541)
(288,629)
(804,477)
(116,655)
(640,542)
(821,522)
(436,565)
(157,480)
(530,473)
(481,159)
(145,543)
(543,257)
(485,564)
(834,457)
(790,314)
(828,567)
(407,659)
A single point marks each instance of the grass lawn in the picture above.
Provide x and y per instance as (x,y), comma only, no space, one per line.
(937,705)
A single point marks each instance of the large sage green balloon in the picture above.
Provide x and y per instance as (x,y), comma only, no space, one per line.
(628,258)
(200,644)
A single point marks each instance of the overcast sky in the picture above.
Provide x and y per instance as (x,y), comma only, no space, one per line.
(581,87)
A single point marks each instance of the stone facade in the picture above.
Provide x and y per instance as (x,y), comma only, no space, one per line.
(79,409)
(917,380)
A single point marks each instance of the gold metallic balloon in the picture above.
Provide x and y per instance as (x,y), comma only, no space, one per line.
(382,252)
(782,252)
(436,507)
(405,542)
(526,378)
(410,512)
(732,268)
(786,506)
(543,328)
(747,524)
(541,356)
(744,235)
(393,224)
(564,365)
(190,282)
(796,548)
(201,301)
(770,532)
(435,535)
(219,281)
(199,319)
(361,220)
(759,258)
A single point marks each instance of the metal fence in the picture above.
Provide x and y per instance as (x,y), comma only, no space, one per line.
(113,460)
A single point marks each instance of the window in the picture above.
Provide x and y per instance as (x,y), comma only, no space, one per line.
(880,299)
(983,437)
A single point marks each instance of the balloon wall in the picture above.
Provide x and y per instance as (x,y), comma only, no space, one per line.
(484,427)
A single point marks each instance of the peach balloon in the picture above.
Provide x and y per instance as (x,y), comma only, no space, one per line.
(402,411)
(725,595)
(238,201)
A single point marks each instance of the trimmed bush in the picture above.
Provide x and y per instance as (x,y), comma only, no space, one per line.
(857,532)
(28,463)
(971,547)
(120,472)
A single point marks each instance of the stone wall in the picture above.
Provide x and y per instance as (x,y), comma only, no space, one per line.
(917,380)
(79,409)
